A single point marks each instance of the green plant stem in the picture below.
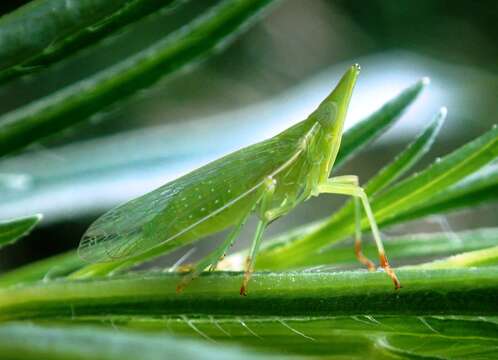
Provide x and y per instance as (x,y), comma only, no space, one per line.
(425,292)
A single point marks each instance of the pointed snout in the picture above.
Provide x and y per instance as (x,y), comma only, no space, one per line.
(344,89)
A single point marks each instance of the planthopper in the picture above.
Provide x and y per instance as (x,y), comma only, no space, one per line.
(267,179)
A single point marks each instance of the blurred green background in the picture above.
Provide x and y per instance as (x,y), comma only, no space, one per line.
(271,77)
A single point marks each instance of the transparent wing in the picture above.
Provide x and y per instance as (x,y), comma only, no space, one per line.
(183,204)
(114,235)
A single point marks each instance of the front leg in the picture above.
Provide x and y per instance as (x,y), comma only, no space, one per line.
(211,260)
(339,186)
(264,220)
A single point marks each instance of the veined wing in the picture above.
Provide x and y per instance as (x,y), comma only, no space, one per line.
(172,210)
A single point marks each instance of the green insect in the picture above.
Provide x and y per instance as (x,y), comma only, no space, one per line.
(269,179)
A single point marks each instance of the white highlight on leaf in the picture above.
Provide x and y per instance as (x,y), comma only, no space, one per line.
(423,321)
(372,319)
(295,330)
(195,328)
(244,325)
(217,324)
(167,323)
(356,318)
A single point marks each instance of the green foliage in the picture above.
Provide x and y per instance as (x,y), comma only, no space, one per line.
(412,248)
(13,230)
(52,267)
(481,187)
(446,308)
(83,99)
(399,200)
(32,40)
(350,337)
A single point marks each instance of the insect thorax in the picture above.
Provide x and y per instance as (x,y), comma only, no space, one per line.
(299,181)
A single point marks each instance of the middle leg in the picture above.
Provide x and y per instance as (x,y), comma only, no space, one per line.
(264,219)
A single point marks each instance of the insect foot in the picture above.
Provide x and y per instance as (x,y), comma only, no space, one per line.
(362,258)
(184,283)
(389,271)
(247,277)
(189,272)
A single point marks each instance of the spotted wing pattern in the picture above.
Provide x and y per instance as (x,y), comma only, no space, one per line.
(126,231)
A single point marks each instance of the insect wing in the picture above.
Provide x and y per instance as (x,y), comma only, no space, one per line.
(114,235)
(183,204)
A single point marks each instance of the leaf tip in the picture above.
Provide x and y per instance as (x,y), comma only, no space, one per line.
(443,111)
(425,80)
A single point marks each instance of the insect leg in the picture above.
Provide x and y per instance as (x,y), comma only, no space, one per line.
(212,259)
(334,187)
(264,220)
(353,180)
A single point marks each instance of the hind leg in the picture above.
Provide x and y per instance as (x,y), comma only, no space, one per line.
(333,186)
(353,180)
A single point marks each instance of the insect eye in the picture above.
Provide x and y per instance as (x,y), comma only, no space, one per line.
(326,114)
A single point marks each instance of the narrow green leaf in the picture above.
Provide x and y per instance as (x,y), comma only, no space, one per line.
(439,176)
(408,157)
(21,341)
(83,99)
(317,328)
(45,31)
(479,188)
(425,292)
(343,337)
(431,347)
(288,252)
(13,230)
(483,257)
(366,131)
(409,249)
(49,268)
(26,32)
